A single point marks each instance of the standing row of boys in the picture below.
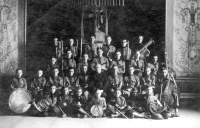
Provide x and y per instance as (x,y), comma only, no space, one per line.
(119,81)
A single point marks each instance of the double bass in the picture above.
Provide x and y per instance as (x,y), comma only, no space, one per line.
(170,93)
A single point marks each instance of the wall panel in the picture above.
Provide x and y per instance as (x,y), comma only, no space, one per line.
(184,44)
(11,37)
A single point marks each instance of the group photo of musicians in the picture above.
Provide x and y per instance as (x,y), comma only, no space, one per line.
(101,80)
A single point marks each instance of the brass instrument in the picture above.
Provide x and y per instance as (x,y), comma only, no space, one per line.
(59,48)
(155,105)
(42,105)
(110,51)
(144,48)
(128,52)
(96,111)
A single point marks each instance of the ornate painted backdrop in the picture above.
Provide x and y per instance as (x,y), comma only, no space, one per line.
(186,38)
(12,33)
(8,36)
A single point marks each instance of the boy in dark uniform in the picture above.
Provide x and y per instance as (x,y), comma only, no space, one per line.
(99,80)
(19,81)
(120,63)
(84,61)
(147,79)
(154,64)
(108,49)
(49,104)
(163,90)
(72,48)
(79,101)
(71,80)
(84,80)
(65,101)
(38,85)
(55,80)
(69,62)
(153,106)
(129,82)
(51,66)
(137,62)
(100,59)
(118,103)
(97,99)
(115,81)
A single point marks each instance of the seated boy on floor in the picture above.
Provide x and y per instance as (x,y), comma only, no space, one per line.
(152,107)
(99,102)
(118,103)
(48,106)
(65,101)
(79,102)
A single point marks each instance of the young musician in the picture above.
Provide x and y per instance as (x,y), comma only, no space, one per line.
(137,62)
(69,62)
(83,78)
(98,100)
(108,49)
(129,82)
(19,81)
(139,44)
(72,48)
(56,80)
(80,103)
(94,46)
(52,65)
(162,84)
(120,63)
(99,80)
(38,84)
(100,59)
(153,106)
(84,61)
(126,52)
(52,99)
(118,104)
(71,80)
(65,102)
(115,81)
(148,78)
(49,105)
(155,64)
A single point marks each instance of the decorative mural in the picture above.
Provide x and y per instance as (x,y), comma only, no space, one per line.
(186,38)
(8,36)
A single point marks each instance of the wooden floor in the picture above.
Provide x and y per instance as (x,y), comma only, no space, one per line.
(189,119)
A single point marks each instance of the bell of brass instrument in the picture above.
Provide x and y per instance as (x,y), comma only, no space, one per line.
(42,105)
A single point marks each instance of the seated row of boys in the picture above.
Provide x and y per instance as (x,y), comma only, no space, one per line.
(73,93)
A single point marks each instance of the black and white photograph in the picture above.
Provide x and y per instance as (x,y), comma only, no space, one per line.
(99,63)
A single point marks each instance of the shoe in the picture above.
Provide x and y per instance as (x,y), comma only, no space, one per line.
(78,115)
(175,115)
(85,116)
(64,116)
(115,115)
(104,115)
(147,116)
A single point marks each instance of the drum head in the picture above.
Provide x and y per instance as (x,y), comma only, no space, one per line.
(96,111)
(19,100)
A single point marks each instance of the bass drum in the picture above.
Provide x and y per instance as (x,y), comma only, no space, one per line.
(96,111)
(19,100)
